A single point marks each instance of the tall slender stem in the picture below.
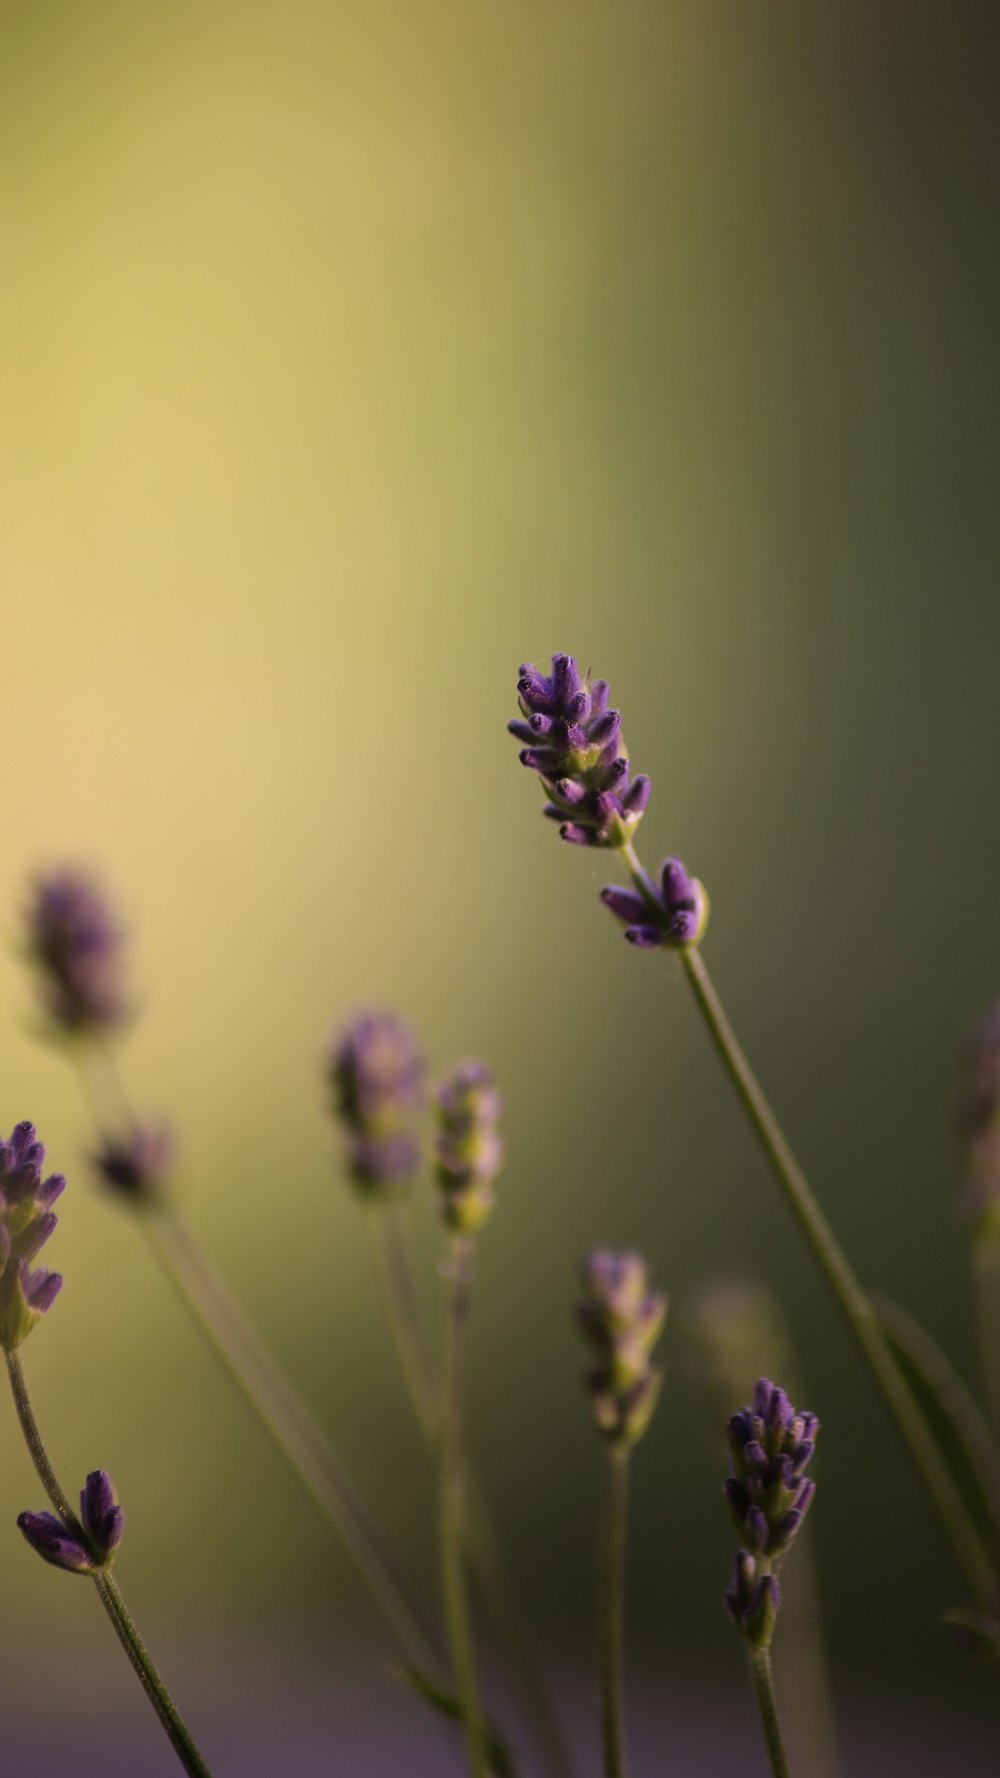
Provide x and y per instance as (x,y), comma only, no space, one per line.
(613,1615)
(986,1268)
(486,1557)
(767,1707)
(451,1504)
(291,1429)
(108,1592)
(847,1290)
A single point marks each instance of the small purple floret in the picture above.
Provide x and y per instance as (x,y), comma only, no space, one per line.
(101,1514)
(55,1543)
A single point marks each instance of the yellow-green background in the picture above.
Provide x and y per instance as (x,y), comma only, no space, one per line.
(352,354)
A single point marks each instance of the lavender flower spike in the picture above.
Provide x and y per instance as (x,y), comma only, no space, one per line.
(467,1146)
(769,1495)
(673,914)
(101,1515)
(55,1543)
(574,742)
(75,942)
(377,1075)
(622,1319)
(26,1223)
(137,1165)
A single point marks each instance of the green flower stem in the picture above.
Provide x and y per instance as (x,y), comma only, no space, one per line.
(763,1686)
(851,1298)
(392,1264)
(110,1596)
(291,1429)
(613,1614)
(451,1506)
(986,1269)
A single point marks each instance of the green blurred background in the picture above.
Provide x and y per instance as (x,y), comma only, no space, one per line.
(353,354)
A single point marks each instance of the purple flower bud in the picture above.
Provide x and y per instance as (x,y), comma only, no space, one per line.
(377,1075)
(75,943)
(55,1543)
(583,761)
(467,1146)
(138,1164)
(621,1318)
(101,1515)
(675,915)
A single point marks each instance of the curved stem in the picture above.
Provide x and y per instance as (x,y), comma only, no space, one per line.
(613,1616)
(767,1708)
(456,1603)
(851,1298)
(108,1592)
(285,1420)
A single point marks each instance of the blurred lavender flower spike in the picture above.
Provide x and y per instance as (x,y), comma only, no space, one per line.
(753,1599)
(101,1515)
(377,1074)
(673,914)
(75,943)
(138,1164)
(574,741)
(55,1543)
(26,1222)
(467,1147)
(622,1319)
(979,1127)
(769,1494)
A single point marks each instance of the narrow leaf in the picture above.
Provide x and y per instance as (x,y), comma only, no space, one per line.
(501,1760)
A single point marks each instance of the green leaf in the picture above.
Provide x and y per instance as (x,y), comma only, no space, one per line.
(501,1759)
(956,1421)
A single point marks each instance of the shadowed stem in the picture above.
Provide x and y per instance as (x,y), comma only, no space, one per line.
(986,1268)
(392,1263)
(613,1615)
(451,1505)
(110,1596)
(763,1686)
(851,1298)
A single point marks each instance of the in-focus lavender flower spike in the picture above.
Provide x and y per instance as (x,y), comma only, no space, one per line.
(26,1223)
(622,1319)
(979,1128)
(137,1164)
(574,742)
(377,1075)
(769,1495)
(55,1543)
(672,914)
(467,1145)
(75,943)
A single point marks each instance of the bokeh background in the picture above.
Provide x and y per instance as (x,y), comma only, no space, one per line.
(353,354)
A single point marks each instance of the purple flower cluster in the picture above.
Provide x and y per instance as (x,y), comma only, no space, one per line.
(979,1127)
(75,942)
(622,1319)
(674,914)
(85,1547)
(771,1444)
(136,1164)
(26,1222)
(377,1074)
(574,741)
(467,1147)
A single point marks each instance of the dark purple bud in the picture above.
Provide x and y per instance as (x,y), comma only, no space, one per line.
(571,794)
(565,679)
(40,1288)
(101,1514)
(54,1543)
(541,726)
(606,729)
(521,730)
(575,835)
(75,943)
(636,797)
(599,696)
(138,1164)
(625,904)
(645,938)
(535,690)
(35,1235)
(676,885)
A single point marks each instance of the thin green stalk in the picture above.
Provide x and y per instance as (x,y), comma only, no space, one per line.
(986,1270)
(108,1592)
(851,1298)
(767,1707)
(451,1504)
(392,1264)
(613,1615)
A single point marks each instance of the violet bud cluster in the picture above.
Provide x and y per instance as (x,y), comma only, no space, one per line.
(769,1494)
(84,1547)
(26,1223)
(468,1151)
(573,739)
(979,1128)
(75,942)
(674,913)
(377,1076)
(137,1163)
(621,1318)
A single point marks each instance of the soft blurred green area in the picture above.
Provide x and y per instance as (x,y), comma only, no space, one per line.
(353,354)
